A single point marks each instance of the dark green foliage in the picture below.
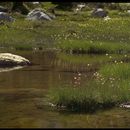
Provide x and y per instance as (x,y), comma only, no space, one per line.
(20,7)
(64,5)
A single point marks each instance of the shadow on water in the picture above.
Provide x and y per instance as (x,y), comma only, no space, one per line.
(23,91)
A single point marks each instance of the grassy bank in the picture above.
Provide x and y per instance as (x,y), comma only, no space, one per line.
(97,36)
(90,98)
(92,58)
(70,33)
(94,47)
(109,88)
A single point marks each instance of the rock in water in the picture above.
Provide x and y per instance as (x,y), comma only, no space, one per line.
(8,59)
(125,105)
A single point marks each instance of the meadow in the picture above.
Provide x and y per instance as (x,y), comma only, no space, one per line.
(69,33)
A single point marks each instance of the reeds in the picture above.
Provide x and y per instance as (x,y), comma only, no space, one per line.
(109,88)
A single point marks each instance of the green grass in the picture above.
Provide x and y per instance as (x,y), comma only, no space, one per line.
(109,88)
(117,70)
(73,32)
(92,58)
(90,98)
(96,47)
(87,63)
(95,36)
(23,46)
(23,34)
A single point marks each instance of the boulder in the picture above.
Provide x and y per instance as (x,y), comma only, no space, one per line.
(125,105)
(99,12)
(39,14)
(8,59)
(128,11)
(35,3)
(5,17)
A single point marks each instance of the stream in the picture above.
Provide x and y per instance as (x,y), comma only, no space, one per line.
(23,91)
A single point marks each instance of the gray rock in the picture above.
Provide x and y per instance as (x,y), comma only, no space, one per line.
(125,105)
(5,17)
(128,11)
(39,14)
(99,12)
(35,3)
(8,59)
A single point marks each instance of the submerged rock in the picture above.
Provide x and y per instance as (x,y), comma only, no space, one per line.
(4,16)
(39,14)
(99,12)
(8,59)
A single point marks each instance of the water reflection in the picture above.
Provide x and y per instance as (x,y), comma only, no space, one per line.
(10,68)
(48,70)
